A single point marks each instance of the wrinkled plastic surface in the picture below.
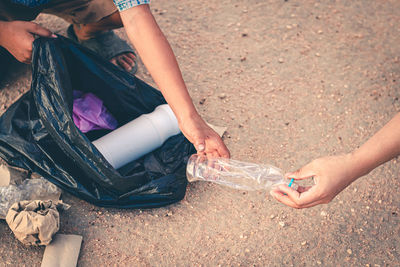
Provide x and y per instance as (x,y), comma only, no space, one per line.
(233,173)
(37,132)
(29,189)
(90,114)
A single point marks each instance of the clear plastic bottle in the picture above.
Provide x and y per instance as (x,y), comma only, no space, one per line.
(235,174)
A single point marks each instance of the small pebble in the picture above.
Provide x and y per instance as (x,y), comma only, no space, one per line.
(280,60)
(349,251)
(222,96)
(272,216)
(282,224)
(323,213)
(319,262)
(304,243)
(201,102)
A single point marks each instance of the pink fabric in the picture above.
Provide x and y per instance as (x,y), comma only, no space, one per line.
(89,113)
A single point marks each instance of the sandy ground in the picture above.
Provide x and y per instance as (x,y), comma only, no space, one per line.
(292,81)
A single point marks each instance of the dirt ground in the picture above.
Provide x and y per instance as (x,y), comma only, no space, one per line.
(292,81)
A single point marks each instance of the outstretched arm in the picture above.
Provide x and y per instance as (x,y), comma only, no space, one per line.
(157,55)
(333,174)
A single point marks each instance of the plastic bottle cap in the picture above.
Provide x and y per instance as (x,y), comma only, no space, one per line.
(291,182)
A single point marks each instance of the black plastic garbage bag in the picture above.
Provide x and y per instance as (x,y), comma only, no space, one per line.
(5,59)
(37,132)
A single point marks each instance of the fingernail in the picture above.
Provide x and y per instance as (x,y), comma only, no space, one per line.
(200,148)
(53,35)
(288,174)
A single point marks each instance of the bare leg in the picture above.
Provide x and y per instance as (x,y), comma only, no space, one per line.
(88,31)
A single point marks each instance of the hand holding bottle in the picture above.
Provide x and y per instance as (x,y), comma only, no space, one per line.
(335,173)
(205,139)
(331,175)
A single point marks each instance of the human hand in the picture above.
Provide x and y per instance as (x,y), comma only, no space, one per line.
(205,139)
(331,175)
(18,36)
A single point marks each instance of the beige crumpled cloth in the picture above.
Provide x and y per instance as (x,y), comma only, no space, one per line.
(34,222)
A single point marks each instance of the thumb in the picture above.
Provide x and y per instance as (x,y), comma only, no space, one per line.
(200,146)
(301,174)
(39,30)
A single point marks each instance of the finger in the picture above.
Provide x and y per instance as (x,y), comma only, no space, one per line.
(27,59)
(123,64)
(131,55)
(301,174)
(210,156)
(200,147)
(223,150)
(114,61)
(215,154)
(302,189)
(128,60)
(28,54)
(220,146)
(129,63)
(300,199)
(39,30)
(281,197)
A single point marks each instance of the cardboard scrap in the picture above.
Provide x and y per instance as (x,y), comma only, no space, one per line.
(63,251)
(4,176)
(219,129)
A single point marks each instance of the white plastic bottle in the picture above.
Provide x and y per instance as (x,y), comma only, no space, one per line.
(138,137)
(235,174)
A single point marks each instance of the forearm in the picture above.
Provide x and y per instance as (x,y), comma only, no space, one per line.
(381,147)
(157,55)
